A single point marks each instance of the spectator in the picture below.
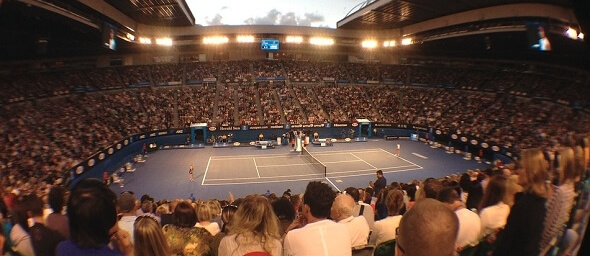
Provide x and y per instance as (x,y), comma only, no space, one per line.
(493,212)
(149,238)
(127,206)
(57,220)
(285,213)
(93,222)
(227,214)
(428,228)
(254,228)
(524,226)
(469,222)
(44,240)
(312,233)
(205,214)
(361,208)
(184,238)
(385,229)
(429,189)
(341,212)
(561,199)
(380,183)
(20,237)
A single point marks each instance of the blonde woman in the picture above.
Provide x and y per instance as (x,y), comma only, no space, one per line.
(254,228)
(561,199)
(524,226)
(149,238)
(205,214)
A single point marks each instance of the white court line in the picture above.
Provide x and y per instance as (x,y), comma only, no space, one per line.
(385,168)
(258,182)
(420,156)
(265,155)
(364,161)
(400,158)
(346,151)
(256,166)
(333,184)
(365,174)
(342,153)
(281,176)
(253,156)
(206,170)
(283,165)
(337,162)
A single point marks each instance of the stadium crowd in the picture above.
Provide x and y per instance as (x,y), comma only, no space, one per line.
(524,208)
(51,121)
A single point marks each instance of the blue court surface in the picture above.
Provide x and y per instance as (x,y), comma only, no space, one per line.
(250,170)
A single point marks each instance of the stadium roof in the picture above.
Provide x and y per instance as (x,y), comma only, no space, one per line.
(156,12)
(387,14)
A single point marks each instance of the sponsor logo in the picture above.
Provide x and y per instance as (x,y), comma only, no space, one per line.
(355,124)
(142,137)
(296,126)
(162,133)
(340,125)
(179,131)
(229,128)
(213,128)
(383,125)
(152,134)
(276,127)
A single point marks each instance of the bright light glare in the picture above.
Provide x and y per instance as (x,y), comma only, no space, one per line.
(215,40)
(571,33)
(407,41)
(166,41)
(130,37)
(245,39)
(581,36)
(389,43)
(294,39)
(321,41)
(369,44)
(145,40)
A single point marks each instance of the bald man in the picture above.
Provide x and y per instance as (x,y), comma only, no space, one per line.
(428,228)
(342,212)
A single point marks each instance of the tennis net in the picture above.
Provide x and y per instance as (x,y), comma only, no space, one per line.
(316,164)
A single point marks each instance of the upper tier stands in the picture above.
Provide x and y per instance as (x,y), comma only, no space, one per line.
(52,120)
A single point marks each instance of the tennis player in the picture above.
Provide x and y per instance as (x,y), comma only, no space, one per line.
(191,169)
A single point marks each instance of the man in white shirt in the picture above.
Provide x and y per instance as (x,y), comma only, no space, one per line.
(126,206)
(361,208)
(341,212)
(312,233)
(469,222)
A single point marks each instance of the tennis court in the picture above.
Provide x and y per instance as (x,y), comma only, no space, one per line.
(247,170)
(221,170)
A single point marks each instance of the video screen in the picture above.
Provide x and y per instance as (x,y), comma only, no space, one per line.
(270,44)
(109,36)
(537,36)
